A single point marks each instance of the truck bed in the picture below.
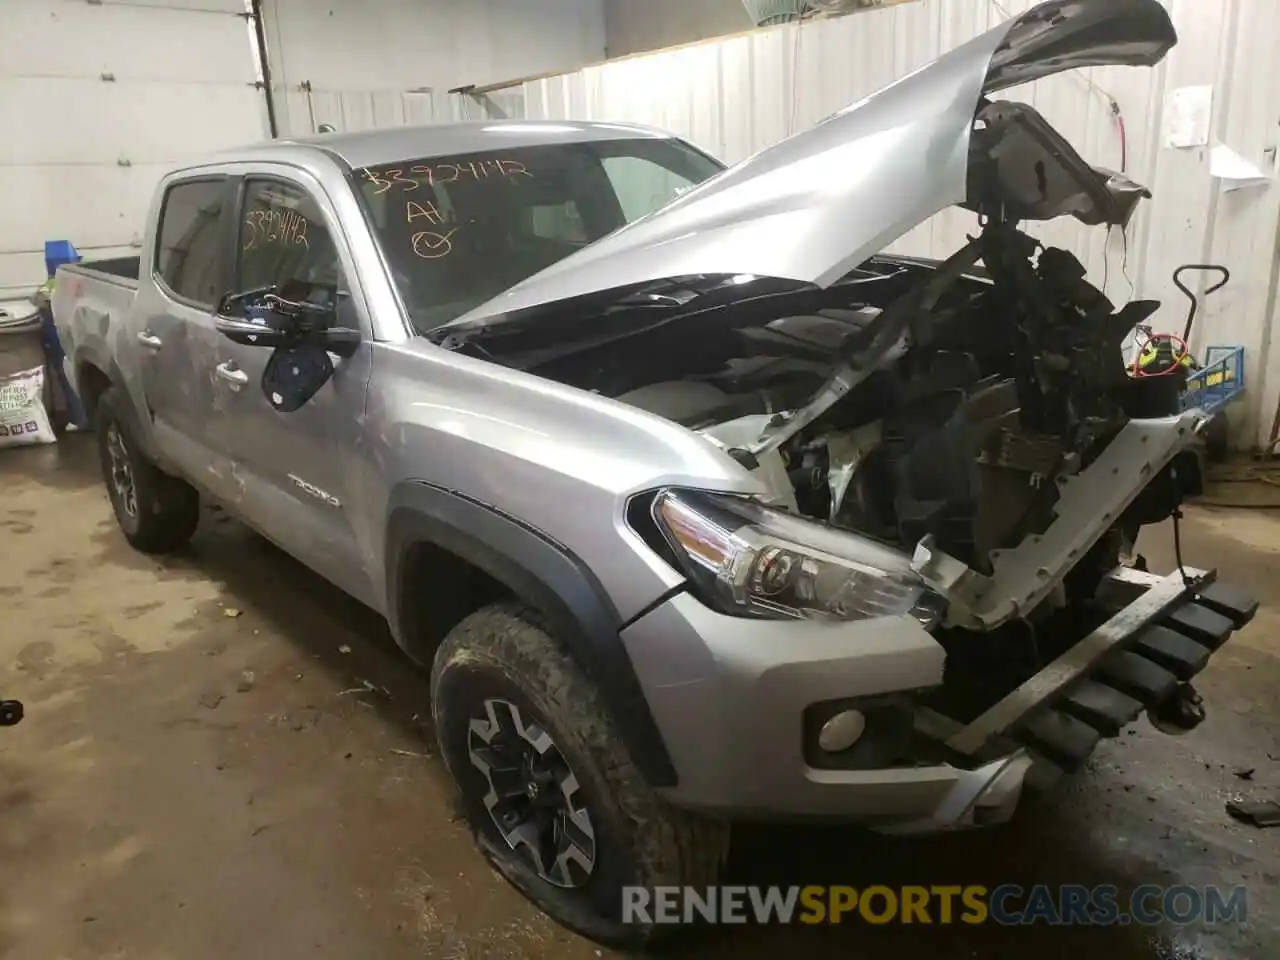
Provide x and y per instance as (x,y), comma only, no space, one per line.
(116,270)
(91,301)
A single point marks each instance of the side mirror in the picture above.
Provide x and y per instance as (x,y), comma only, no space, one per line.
(260,333)
(253,333)
(294,375)
(306,313)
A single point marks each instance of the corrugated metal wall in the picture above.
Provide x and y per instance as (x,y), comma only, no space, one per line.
(632,27)
(738,95)
(357,65)
(96,101)
(301,111)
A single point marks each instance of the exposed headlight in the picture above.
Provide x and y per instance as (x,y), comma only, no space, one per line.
(748,560)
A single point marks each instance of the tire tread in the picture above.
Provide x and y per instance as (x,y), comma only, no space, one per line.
(671,847)
(168,507)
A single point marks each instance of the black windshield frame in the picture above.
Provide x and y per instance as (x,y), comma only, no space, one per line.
(577,163)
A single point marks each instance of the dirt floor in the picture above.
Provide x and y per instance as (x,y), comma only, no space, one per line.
(223,757)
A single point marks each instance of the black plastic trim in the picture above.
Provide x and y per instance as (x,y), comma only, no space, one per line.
(157,278)
(541,572)
(654,604)
(1234,604)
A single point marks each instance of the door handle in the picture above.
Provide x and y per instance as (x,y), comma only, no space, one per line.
(230,373)
(149,339)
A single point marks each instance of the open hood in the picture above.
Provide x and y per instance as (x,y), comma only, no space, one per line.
(815,205)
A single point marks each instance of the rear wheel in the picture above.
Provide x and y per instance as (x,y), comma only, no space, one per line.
(156,512)
(547,785)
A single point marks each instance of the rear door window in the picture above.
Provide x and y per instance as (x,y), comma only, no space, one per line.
(189,254)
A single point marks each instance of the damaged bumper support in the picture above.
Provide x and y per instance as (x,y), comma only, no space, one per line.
(1088,504)
(741,704)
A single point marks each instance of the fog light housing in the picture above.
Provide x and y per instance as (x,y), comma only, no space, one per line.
(858,733)
(842,731)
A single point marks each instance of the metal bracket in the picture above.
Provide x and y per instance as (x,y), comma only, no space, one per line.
(1076,661)
(491,108)
(1089,503)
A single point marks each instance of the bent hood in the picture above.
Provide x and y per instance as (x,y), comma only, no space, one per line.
(815,205)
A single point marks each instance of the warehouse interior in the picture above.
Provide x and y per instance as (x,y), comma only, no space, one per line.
(223,754)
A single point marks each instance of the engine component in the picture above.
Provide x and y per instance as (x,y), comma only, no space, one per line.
(681,401)
(845,453)
(1040,456)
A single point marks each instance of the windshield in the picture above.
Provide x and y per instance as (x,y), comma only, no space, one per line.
(459,230)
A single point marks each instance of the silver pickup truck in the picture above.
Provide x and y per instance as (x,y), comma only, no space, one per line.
(696,504)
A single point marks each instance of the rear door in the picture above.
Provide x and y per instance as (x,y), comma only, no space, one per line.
(175,339)
(297,470)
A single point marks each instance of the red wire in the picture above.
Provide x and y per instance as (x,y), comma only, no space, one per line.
(1124,134)
(1177,360)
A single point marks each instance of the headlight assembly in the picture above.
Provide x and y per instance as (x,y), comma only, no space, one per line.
(745,559)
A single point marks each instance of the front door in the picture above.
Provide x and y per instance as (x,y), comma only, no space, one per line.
(296,471)
(176,342)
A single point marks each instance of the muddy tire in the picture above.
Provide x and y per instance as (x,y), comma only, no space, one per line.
(156,512)
(553,798)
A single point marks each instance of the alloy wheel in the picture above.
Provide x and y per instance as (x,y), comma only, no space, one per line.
(533,797)
(121,471)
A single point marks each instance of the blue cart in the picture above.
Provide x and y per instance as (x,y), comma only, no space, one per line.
(1217,382)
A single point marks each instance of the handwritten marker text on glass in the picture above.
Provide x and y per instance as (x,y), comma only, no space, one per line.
(433,246)
(420,211)
(441,173)
(275,226)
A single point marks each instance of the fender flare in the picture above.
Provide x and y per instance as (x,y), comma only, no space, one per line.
(86,356)
(542,573)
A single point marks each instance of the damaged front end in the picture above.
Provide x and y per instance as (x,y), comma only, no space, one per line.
(955,442)
(975,413)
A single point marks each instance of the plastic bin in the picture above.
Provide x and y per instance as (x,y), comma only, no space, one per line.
(58,252)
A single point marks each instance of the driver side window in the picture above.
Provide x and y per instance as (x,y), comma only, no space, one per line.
(283,238)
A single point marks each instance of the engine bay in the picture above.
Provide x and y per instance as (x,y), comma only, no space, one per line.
(968,410)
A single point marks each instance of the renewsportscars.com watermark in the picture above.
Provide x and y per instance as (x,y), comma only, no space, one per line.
(1008,904)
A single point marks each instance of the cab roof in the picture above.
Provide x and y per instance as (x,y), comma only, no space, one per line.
(372,148)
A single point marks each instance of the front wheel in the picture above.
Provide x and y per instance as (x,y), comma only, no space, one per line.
(547,785)
(157,513)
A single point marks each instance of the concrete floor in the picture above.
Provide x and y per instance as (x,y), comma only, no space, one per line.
(224,758)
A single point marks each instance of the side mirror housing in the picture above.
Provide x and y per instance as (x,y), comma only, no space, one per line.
(342,341)
(264,318)
(294,375)
(253,333)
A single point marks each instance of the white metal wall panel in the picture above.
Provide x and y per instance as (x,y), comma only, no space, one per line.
(350,62)
(738,95)
(300,112)
(1243,226)
(634,26)
(96,102)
